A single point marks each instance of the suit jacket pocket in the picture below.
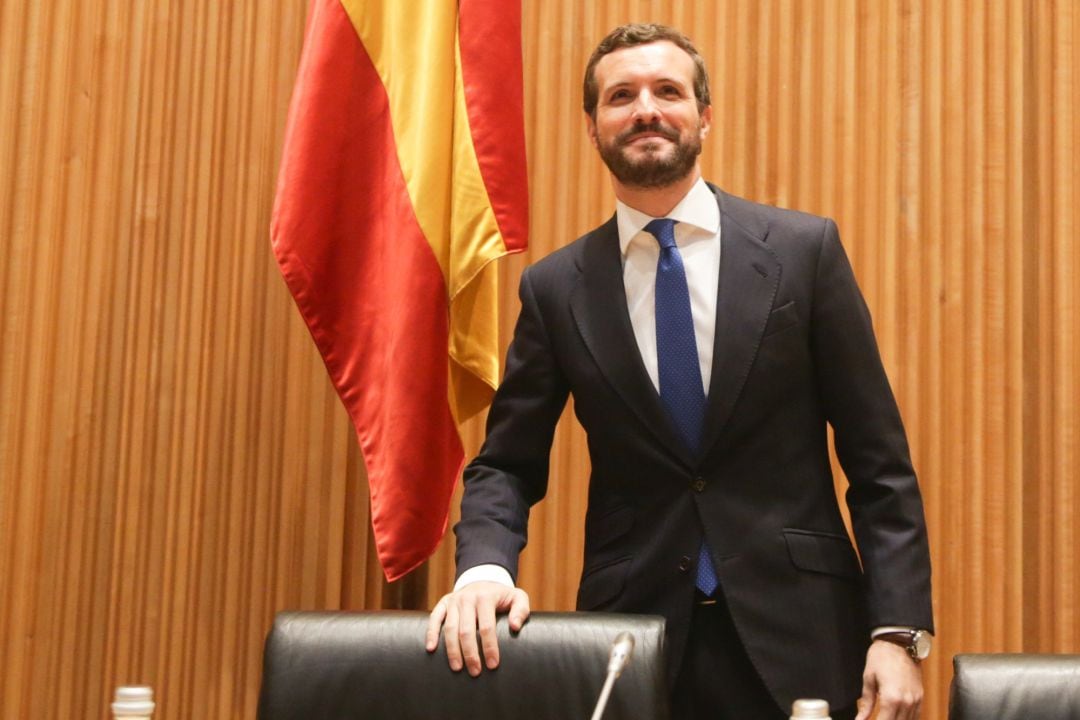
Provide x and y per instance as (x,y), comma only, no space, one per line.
(782,318)
(822,552)
(600,584)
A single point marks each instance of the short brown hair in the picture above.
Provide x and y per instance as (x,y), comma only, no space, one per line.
(642,34)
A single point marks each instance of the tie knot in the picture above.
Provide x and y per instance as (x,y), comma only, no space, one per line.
(663,229)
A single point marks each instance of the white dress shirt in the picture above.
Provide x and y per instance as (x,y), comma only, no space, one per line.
(697,236)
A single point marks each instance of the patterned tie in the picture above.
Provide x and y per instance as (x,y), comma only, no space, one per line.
(681,388)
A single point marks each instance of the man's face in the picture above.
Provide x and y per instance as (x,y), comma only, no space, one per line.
(647,128)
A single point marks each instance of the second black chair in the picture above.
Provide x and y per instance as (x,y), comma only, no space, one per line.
(1015,687)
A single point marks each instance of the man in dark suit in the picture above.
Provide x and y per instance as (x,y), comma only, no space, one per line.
(708,341)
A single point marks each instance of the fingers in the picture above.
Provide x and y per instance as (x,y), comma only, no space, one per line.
(450,631)
(892,681)
(466,635)
(485,622)
(435,622)
(898,705)
(470,611)
(869,694)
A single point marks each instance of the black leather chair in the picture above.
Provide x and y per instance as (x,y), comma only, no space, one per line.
(1015,687)
(373,665)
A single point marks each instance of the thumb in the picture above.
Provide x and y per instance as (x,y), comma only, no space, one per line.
(869,694)
(519,609)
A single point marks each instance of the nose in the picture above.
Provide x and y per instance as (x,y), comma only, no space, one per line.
(645,109)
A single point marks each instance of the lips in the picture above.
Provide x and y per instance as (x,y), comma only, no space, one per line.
(647,132)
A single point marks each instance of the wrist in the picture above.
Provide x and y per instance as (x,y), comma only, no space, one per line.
(917,643)
(488,572)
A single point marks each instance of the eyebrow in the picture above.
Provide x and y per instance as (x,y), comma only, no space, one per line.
(658,81)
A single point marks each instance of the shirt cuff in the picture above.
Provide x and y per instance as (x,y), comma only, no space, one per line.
(486,573)
(886,629)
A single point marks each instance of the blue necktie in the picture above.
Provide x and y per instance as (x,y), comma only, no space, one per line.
(681,388)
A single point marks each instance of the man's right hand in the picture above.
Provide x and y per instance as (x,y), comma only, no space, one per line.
(473,607)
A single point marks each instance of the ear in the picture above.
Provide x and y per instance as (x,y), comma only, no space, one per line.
(590,128)
(706,122)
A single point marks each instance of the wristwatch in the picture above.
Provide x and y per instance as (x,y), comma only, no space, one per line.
(916,642)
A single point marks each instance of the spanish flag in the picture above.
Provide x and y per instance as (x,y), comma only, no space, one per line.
(402,179)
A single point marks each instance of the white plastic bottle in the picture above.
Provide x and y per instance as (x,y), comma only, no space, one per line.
(810,710)
(133,702)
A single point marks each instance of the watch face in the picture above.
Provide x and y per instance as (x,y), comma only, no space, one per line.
(920,645)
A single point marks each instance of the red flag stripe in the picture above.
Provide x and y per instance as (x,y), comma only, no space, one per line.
(368,286)
(489,33)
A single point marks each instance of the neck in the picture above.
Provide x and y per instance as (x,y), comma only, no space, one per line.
(656,202)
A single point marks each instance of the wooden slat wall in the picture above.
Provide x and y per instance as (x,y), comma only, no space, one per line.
(174,466)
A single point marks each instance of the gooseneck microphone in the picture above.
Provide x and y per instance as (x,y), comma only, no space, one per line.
(621,649)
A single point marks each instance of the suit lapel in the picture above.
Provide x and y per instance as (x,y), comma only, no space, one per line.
(749,279)
(598,305)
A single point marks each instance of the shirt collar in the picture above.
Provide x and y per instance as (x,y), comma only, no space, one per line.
(698,208)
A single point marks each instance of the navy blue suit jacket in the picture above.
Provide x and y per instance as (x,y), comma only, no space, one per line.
(794,351)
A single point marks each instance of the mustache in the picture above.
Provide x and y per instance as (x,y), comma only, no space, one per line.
(653,127)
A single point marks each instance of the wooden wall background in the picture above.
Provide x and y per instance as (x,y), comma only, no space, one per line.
(174,466)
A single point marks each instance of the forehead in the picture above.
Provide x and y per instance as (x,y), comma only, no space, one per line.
(663,60)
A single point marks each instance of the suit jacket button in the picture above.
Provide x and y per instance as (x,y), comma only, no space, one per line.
(699,484)
(684,563)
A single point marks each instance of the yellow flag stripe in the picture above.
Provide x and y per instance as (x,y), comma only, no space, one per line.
(411,45)
(472,283)
(414,48)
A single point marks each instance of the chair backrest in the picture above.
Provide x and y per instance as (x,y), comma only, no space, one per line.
(1015,687)
(374,665)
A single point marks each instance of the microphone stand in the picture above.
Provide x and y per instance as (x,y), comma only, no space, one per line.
(621,650)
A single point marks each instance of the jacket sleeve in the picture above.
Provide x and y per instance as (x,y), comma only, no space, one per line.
(510,474)
(883,494)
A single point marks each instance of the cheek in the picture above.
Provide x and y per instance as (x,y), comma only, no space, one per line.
(605,132)
(613,118)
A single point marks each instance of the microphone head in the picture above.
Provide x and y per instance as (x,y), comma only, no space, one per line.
(621,649)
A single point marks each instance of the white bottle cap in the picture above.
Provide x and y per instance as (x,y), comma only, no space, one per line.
(133,701)
(807,709)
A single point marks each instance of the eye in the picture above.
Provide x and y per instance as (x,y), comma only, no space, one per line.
(670,91)
(619,95)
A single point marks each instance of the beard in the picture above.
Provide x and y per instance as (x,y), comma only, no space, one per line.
(654,170)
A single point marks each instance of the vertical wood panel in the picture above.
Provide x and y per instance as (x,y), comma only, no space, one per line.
(175,467)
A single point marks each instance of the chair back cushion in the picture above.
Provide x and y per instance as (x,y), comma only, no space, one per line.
(1015,687)
(374,665)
